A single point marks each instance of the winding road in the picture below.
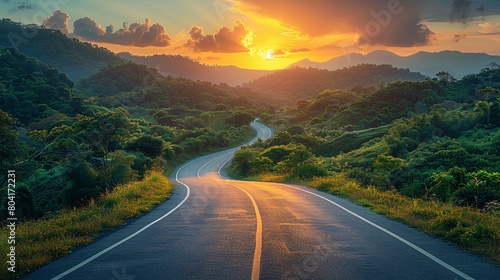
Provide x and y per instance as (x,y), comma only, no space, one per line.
(215,228)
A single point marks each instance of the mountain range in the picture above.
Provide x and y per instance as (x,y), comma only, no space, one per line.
(456,63)
(80,59)
(185,67)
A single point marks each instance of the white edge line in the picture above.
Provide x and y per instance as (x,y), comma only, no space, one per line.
(85,262)
(228,152)
(415,247)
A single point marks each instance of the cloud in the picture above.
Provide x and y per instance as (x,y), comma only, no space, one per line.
(280,53)
(458,11)
(488,28)
(387,22)
(224,41)
(300,50)
(58,20)
(458,37)
(20,6)
(136,34)
(213,57)
(461,11)
(89,29)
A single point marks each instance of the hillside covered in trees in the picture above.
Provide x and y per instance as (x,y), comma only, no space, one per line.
(290,85)
(70,144)
(426,153)
(74,58)
(436,139)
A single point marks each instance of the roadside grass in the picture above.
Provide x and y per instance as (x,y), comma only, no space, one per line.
(56,235)
(475,231)
(42,241)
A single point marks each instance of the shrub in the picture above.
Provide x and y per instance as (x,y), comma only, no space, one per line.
(309,170)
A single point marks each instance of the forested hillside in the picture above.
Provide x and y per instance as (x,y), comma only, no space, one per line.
(70,145)
(426,153)
(432,139)
(74,58)
(290,85)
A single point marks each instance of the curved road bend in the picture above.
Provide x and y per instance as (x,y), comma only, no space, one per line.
(214,228)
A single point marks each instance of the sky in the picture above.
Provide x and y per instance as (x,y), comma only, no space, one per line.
(269,34)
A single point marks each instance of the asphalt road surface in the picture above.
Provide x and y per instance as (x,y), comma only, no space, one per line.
(215,228)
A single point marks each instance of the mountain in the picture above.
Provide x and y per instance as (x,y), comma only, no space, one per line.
(456,63)
(290,85)
(70,56)
(180,66)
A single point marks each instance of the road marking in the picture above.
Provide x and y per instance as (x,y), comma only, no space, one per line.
(230,151)
(258,238)
(415,247)
(224,155)
(87,261)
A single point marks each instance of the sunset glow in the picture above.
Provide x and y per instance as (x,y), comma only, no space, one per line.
(272,34)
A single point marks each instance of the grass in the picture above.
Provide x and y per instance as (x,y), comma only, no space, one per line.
(475,231)
(42,241)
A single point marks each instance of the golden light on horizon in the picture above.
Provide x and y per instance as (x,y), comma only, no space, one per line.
(269,54)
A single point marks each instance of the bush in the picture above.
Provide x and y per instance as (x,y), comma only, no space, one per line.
(309,170)
(148,145)
(476,196)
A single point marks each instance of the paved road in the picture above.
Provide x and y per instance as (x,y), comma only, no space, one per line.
(214,228)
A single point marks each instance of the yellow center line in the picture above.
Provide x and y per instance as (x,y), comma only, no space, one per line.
(258,238)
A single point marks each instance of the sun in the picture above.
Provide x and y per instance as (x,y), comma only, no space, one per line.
(269,54)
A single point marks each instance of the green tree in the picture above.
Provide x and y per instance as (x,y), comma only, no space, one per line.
(281,138)
(239,118)
(147,144)
(243,159)
(8,143)
(103,134)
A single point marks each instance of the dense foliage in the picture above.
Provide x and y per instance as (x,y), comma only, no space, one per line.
(69,146)
(31,91)
(437,139)
(74,58)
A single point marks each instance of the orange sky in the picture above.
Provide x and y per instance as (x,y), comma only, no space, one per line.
(261,34)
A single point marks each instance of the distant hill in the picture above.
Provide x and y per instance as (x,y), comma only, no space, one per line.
(290,85)
(70,56)
(115,79)
(185,67)
(456,63)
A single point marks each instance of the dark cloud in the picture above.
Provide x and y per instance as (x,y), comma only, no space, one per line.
(378,22)
(458,11)
(88,29)
(136,34)
(461,11)
(224,41)
(58,20)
